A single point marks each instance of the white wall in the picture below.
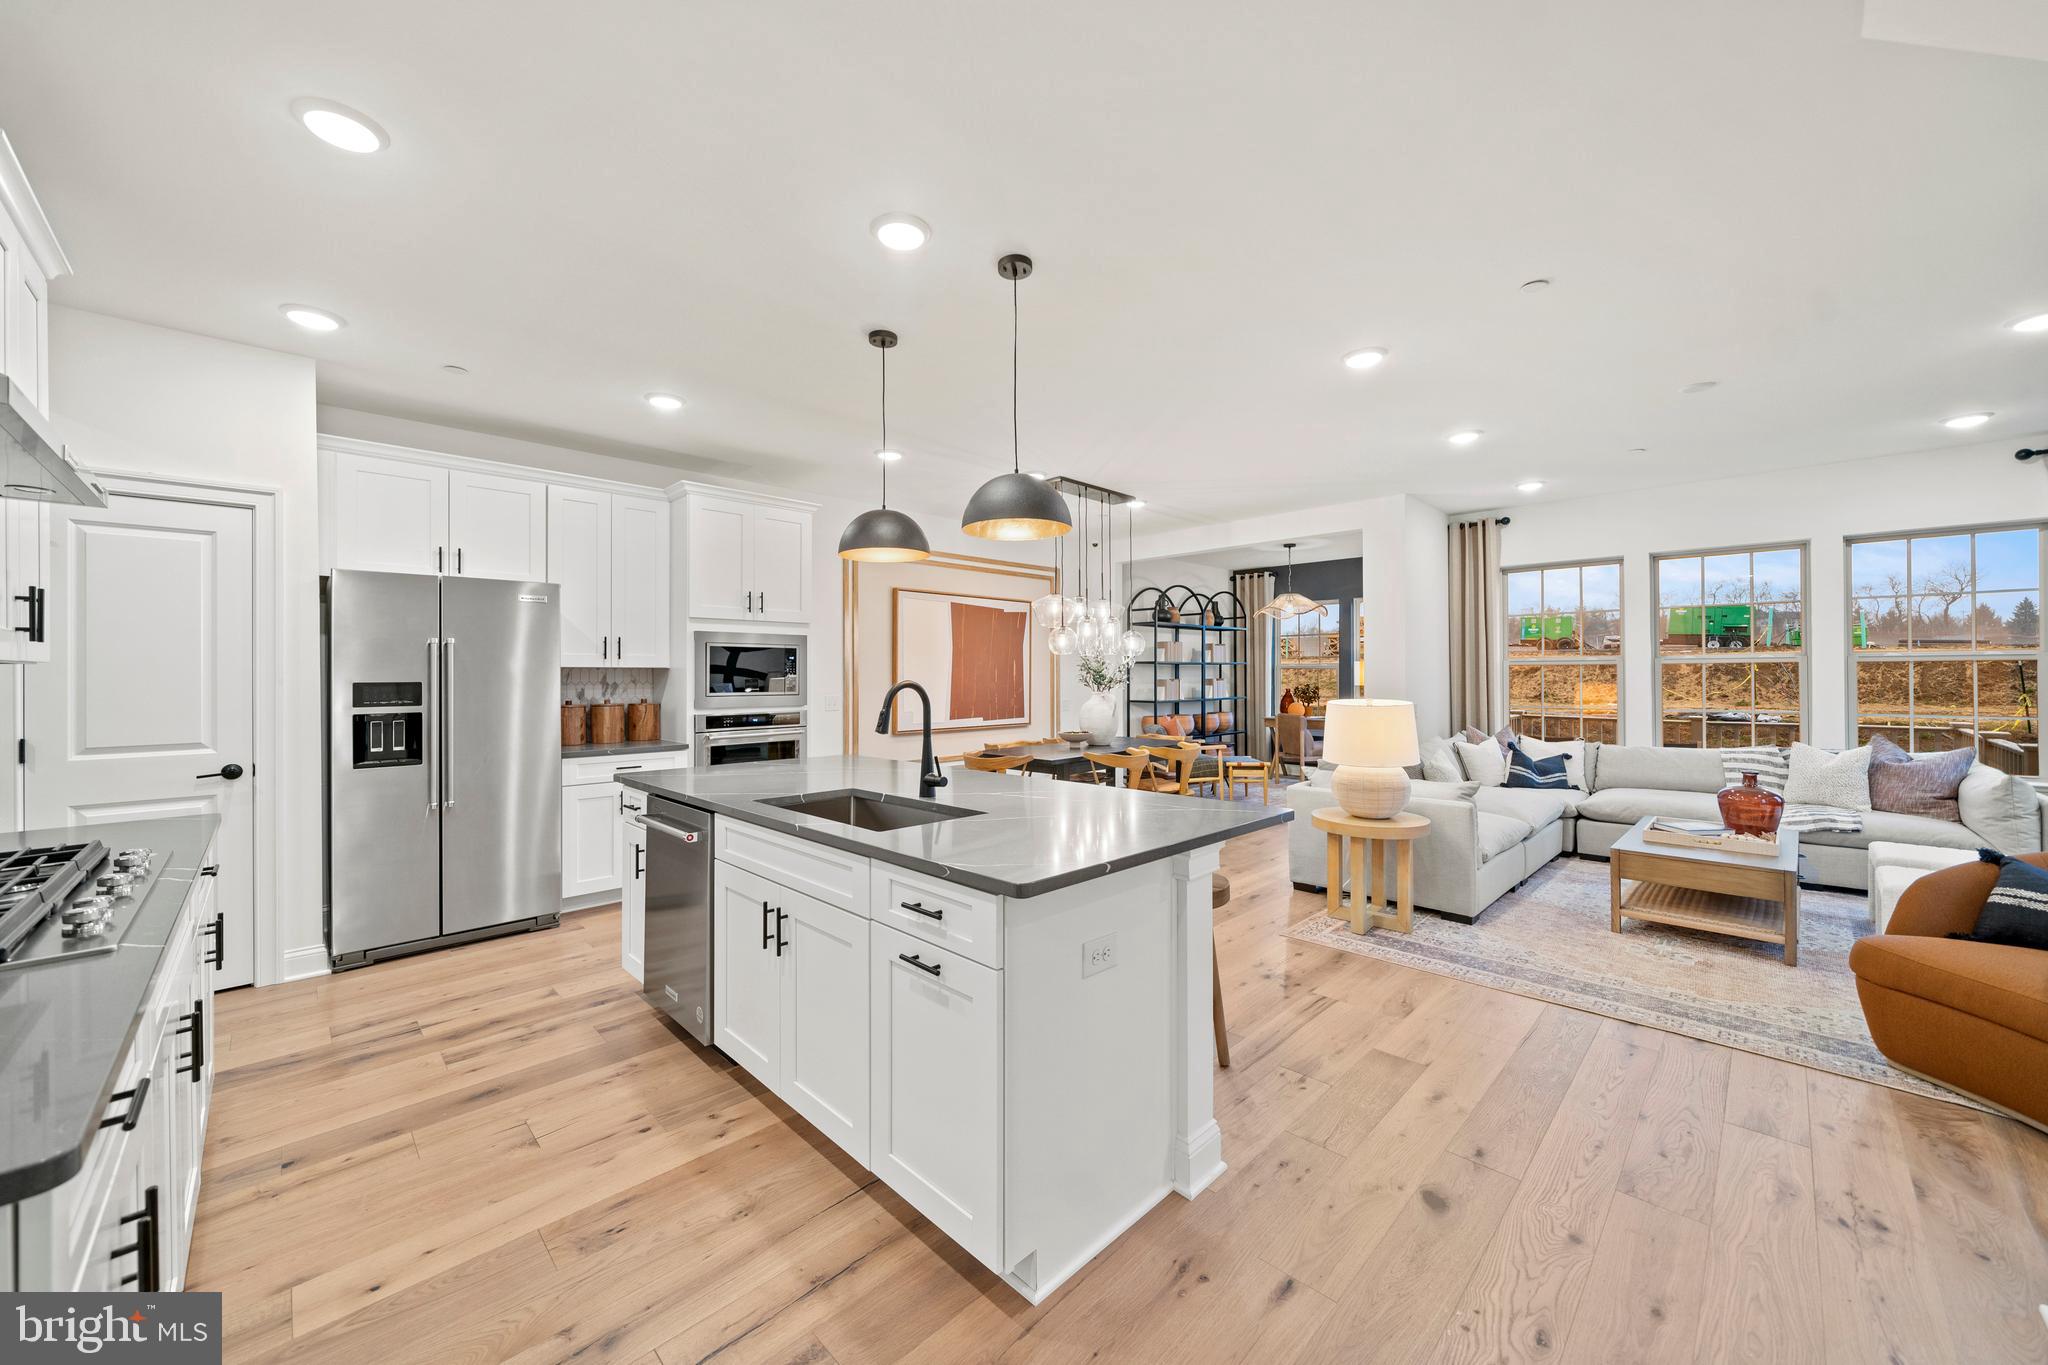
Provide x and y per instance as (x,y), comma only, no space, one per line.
(1821,505)
(132,398)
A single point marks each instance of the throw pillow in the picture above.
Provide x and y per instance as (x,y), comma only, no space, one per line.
(1767,761)
(1816,777)
(2016,912)
(1440,762)
(2002,810)
(1547,774)
(1926,786)
(1505,737)
(1483,762)
(1573,751)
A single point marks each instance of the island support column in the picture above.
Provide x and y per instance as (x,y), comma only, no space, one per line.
(1197,1151)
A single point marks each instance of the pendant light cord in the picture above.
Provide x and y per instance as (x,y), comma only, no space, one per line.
(885,427)
(1016,444)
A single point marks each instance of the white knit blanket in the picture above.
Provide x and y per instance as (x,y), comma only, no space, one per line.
(1821,819)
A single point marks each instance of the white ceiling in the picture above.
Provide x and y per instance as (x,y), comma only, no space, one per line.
(582,204)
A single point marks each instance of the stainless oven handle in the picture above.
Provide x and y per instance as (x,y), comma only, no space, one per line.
(447,723)
(432,737)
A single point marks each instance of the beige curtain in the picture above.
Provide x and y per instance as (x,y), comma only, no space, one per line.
(1255,590)
(1477,645)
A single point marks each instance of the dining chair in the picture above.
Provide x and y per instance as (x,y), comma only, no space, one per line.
(996,763)
(1291,743)
(1173,767)
(1136,769)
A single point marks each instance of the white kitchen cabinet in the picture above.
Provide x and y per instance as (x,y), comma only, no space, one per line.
(825,1019)
(640,578)
(405,516)
(497,526)
(24,576)
(590,839)
(608,553)
(29,259)
(935,1081)
(747,995)
(633,897)
(749,560)
(390,516)
(580,565)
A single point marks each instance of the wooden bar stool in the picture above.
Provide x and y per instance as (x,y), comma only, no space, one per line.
(1219,896)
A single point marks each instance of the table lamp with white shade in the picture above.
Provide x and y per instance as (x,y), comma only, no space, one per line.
(1370,741)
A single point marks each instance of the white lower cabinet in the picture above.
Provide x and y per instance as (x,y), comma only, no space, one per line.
(746,994)
(824,1020)
(935,1081)
(633,897)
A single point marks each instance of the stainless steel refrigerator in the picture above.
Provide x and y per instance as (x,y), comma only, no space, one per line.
(443,765)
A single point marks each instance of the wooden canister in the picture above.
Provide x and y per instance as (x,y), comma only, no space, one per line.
(575,724)
(607,723)
(643,722)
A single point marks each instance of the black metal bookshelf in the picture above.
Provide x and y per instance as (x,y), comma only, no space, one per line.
(1170,613)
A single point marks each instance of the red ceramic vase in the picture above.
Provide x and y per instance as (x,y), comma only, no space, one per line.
(1750,809)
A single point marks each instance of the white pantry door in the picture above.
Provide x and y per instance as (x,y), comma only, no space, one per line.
(149,694)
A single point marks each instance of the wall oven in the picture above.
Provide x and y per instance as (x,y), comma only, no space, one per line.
(725,738)
(744,672)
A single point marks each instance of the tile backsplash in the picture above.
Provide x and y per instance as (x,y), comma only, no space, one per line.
(613,684)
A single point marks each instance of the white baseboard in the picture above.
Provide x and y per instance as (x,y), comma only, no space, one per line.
(300,963)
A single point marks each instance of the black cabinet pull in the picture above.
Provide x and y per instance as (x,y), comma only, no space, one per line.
(780,941)
(914,960)
(211,869)
(218,929)
(458,559)
(607,646)
(135,1098)
(144,1248)
(767,935)
(638,866)
(917,908)
(35,598)
(195,1025)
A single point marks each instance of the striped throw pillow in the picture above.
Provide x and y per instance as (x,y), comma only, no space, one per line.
(2016,911)
(1770,764)
(1550,774)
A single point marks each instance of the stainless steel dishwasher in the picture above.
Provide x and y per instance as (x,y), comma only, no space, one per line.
(677,956)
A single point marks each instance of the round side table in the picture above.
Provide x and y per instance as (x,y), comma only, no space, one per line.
(1401,831)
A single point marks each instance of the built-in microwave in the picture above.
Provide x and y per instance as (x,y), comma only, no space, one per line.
(740,672)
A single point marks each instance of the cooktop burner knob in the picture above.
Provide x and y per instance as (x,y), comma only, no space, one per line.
(115,880)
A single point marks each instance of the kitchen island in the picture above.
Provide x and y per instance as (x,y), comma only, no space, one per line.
(996,996)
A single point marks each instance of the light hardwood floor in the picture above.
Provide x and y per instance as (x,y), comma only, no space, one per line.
(497,1153)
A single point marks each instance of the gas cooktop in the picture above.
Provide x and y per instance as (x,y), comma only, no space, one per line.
(69,900)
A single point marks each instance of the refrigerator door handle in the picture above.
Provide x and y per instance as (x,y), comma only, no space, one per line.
(447,723)
(433,736)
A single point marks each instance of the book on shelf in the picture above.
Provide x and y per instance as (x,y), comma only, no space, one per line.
(1710,834)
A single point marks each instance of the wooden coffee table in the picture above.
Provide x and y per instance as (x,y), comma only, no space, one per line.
(1741,894)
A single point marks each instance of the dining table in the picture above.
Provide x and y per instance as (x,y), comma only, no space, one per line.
(1061,760)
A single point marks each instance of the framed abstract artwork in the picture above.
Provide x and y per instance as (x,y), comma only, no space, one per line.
(972,653)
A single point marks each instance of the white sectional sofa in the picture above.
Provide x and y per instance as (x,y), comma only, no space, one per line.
(1483,841)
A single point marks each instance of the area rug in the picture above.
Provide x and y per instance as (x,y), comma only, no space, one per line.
(1551,939)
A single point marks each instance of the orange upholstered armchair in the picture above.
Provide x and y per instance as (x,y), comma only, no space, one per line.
(1973,1016)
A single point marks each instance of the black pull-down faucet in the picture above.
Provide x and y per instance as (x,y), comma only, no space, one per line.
(929,778)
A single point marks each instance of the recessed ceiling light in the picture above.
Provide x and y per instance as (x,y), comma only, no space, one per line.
(1367,359)
(901,231)
(337,125)
(456,369)
(664,402)
(1135,504)
(1638,450)
(312,319)
(1534,286)
(1464,438)
(1968,421)
(1529,486)
(889,456)
(2037,323)
(1700,386)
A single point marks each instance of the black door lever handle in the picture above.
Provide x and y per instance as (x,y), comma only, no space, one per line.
(230,771)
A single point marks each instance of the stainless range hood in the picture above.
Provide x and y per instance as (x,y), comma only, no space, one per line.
(32,464)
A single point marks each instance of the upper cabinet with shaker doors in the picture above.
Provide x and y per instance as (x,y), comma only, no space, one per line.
(398,516)
(608,553)
(750,559)
(29,259)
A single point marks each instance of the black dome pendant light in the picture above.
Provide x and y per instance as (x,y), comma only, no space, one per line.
(1015,506)
(883,536)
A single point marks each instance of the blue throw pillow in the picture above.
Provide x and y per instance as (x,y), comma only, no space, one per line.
(1545,773)
(2016,911)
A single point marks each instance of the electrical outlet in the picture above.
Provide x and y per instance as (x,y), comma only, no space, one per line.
(1098,955)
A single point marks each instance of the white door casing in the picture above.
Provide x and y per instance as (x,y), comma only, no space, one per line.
(151,687)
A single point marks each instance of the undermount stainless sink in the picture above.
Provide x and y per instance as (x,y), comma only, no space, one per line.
(869,810)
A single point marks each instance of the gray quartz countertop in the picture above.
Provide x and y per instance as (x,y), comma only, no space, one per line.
(652,746)
(1028,836)
(66,1026)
